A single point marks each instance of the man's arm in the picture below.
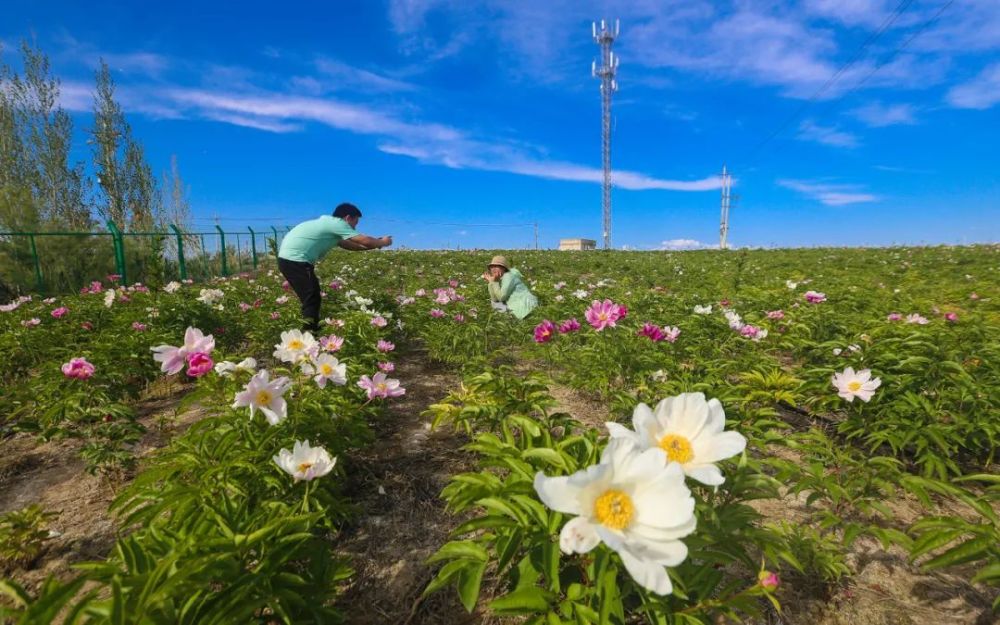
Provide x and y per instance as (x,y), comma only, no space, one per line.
(362,242)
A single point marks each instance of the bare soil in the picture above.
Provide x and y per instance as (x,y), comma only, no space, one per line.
(398,480)
(52,475)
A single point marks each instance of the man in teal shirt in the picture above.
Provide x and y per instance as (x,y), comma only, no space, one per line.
(308,242)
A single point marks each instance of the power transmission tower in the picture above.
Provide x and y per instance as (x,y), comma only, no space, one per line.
(726,199)
(604,37)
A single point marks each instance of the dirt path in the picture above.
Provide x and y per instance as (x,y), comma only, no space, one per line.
(52,475)
(398,480)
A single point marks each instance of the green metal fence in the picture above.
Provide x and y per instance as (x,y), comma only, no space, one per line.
(64,261)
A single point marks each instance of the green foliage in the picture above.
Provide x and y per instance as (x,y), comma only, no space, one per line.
(22,533)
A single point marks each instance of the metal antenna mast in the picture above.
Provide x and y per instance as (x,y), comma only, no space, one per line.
(726,197)
(604,37)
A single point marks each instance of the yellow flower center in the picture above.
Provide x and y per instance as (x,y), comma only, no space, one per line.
(677,447)
(326,369)
(263,397)
(305,466)
(296,344)
(602,317)
(854,386)
(614,509)
(382,386)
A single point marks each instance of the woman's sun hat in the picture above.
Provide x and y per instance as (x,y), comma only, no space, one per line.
(500,261)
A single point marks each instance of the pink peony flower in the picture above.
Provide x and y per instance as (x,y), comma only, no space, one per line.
(453,283)
(114,277)
(86,325)
(379,321)
(286,286)
(420,292)
(331,343)
(603,315)
(78,368)
(138,326)
(60,312)
(652,332)
(544,331)
(335,285)
(437,313)
(950,316)
(917,318)
(380,386)
(776,314)
(31,323)
(973,296)
(245,307)
(386,367)
(459,318)
(894,316)
(275,315)
(172,359)
(570,325)
(814,297)
(671,333)
(724,303)
(199,364)
(385,346)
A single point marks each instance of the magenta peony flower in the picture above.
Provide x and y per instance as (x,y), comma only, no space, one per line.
(78,368)
(114,277)
(652,332)
(459,318)
(335,285)
(286,286)
(950,316)
(604,314)
(199,363)
(894,316)
(544,331)
(570,325)
(60,312)
(437,313)
(814,297)
(138,326)
(768,580)
(453,283)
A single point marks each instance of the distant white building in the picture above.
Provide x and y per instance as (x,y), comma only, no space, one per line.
(577,244)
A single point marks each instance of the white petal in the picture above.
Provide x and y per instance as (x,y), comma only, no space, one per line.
(718,447)
(645,425)
(617,430)
(684,414)
(578,536)
(706,474)
(650,575)
(558,493)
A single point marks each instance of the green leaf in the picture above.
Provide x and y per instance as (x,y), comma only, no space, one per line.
(469,582)
(523,601)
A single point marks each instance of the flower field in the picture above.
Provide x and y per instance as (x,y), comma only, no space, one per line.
(764,429)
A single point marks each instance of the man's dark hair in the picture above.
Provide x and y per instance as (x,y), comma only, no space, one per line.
(346,210)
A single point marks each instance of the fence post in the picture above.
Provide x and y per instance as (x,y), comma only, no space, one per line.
(181,267)
(119,244)
(253,246)
(222,250)
(38,267)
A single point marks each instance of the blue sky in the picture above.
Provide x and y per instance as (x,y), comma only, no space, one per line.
(428,113)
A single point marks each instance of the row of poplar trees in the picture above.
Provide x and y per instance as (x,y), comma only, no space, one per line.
(42,189)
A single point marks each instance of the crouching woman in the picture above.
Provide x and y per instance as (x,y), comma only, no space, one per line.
(508,292)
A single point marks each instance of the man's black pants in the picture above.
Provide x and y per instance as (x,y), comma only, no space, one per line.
(303,280)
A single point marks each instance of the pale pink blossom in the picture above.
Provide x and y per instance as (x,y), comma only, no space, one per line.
(776,314)
(604,314)
(387,367)
(437,313)
(138,326)
(861,384)
(331,343)
(379,321)
(385,346)
(172,359)
(916,318)
(379,386)
(31,323)
(814,297)
(78,368)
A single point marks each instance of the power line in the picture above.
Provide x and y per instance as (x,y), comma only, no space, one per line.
(886,24)
(373,220)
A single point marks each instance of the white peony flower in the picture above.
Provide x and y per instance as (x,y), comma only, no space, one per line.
(916,318)
(210,296)
(305,462)
(227,368)
(635,502)
(109,298)
(689,430)
(735,321)
(861,385)
(295,346)
(265,395)
(326,369)
(703,310)
(172,287)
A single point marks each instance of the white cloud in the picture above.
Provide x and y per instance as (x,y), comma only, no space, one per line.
(850,12)
(878,115)
(982,92)
(828,193)
(828,135)
(683,244)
